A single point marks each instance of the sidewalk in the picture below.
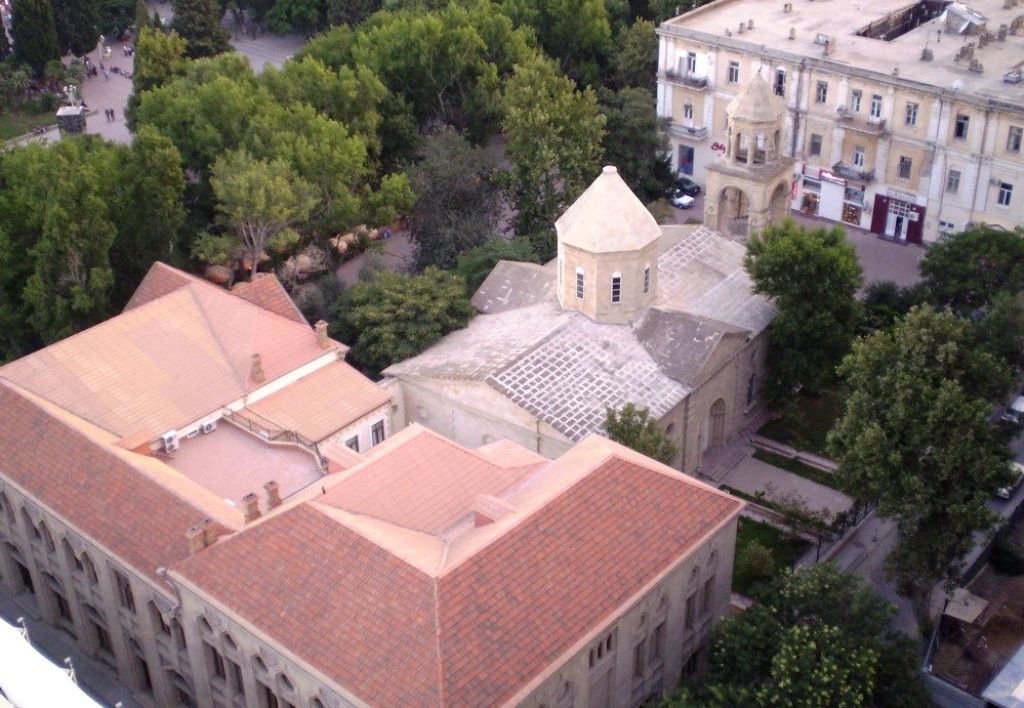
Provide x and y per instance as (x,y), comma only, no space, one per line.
(94,677)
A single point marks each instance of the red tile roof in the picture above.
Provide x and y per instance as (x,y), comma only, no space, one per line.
(162,279)
(477,630)
(98,492)
(267,292)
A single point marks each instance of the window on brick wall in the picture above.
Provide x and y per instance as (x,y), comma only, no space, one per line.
(953,181)
(910,116)
(815,148)
(734,72)
(821,92)
(1005,194)
(1014,138)
(962,126)
(905,166)
(124,592)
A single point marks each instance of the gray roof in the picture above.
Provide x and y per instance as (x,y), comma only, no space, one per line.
(565,368)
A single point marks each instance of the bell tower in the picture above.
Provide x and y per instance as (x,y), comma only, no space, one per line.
(749,186)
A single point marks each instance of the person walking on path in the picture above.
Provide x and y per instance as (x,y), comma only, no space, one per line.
(113,117)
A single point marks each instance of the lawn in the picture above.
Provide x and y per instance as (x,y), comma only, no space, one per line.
(808,427)
(16,123)
(829,479)
(786,550)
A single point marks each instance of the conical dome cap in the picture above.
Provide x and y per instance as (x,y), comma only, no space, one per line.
(607,218)
(756,103)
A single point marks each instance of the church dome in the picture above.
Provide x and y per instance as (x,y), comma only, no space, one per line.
(607,218)
(756,103)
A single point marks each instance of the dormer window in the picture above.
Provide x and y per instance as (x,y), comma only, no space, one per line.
(579,282)
(616,288)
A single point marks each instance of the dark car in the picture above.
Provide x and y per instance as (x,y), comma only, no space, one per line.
(687,186)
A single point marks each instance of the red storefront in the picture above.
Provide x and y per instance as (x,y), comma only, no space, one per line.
(896,216)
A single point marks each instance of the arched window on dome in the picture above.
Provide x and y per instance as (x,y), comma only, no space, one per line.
(647,278)
(616,288)
(580,276)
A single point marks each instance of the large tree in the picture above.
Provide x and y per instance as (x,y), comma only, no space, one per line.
(812,277)
(76,26)
(159,57)
(636,141)
(915,437)
(817,637)
(965,271)
(391,317)
(34,34)
(636,428)
(456,199)
(260,201)
(554,144)
(635,62)
(198,22)
(476,264)
(114,17)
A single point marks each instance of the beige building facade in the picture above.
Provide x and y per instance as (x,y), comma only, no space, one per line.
(905,120)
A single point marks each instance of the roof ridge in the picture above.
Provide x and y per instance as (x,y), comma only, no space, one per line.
(214,335)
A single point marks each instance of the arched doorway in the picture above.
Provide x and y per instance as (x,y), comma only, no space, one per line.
(716,424)
(778,205)
(733,212)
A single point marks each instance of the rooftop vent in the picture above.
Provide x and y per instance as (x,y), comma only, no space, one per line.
(742,27)
(792,32)
(788,7)
(750,24)
(822,39)
(927,54)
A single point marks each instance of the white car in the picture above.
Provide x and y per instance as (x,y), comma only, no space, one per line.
(682,201)
(1007,491)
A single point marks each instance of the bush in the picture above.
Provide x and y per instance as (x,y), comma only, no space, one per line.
(756,563)
(1007,558)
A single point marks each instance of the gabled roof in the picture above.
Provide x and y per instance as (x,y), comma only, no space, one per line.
(360,599)
(267,292)
(160,280)
(607,218)
(69,466)
(682,344)
(322,402)
(167,362)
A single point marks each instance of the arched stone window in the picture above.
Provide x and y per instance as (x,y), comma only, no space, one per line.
(580,282)
(718,422)
(616,288)
(647,278)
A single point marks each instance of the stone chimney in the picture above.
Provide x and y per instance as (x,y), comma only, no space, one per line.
(321,334)
(256,370)
(196,539)
(273,494)
(251,507)
(209,532)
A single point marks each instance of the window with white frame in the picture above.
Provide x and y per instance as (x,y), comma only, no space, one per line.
(859,155)
(1005,194)
(821,92)
(1014,138)
(963,124)
(953,181)
(946,227)
(691,62)
(734,72)
(815,148)
(616,288)
(910,116)
(876,107)
(377,433)
(579,282)
(780,82)
(688,111)
(855,97)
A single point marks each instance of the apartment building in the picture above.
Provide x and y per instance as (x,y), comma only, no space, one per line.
(226,529)
(903,119)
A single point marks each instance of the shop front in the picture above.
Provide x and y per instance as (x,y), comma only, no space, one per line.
(898,216)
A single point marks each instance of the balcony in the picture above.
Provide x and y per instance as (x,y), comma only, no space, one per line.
(689,132)
(852,121)
(691,81)
(857,174)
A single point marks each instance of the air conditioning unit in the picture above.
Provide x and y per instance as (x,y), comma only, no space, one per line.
(171,442)
(209,426)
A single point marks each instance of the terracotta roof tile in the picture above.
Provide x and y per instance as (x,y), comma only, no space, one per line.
(396,636)
(160,280)
(267,292)
(323,402)
(95,490)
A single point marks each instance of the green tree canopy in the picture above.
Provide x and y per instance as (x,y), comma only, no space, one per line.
(159,57)
(476,264)
(635,62)
(34,33)
(554,144)
(75,21)
(812,276)
(456,199)
(915,436)
(818,637)
(965,271)
(198,23)
(390,317)
(113,17)
(636,141)
(637,429)
(260,201)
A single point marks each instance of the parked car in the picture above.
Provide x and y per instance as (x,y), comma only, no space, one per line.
(1007,491)
(1014,412)
(682,201)
(687,186)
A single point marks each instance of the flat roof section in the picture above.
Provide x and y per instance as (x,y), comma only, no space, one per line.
(231,463)
(811,21)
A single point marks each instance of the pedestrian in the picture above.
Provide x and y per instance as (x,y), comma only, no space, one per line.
(106,75)
(113,116)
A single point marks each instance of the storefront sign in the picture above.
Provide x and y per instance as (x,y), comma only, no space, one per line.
(827,176)
(717,146)
(901,195)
